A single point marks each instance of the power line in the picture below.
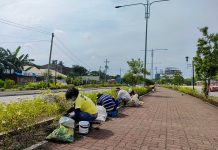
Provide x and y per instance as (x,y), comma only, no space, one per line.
(24,41)
(14,24)
(64,52)
(69,50)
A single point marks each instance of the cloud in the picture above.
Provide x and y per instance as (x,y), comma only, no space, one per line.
(93,31)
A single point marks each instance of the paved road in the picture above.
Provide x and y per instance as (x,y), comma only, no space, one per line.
(168,120)
(20,95)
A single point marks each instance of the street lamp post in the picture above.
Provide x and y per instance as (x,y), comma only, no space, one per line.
(193,71)
(147,15)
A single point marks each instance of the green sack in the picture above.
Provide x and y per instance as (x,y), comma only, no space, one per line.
(62,134)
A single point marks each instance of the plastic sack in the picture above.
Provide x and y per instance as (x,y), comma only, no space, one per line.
(135,101)
(102,114)
(67,122)
(61,134)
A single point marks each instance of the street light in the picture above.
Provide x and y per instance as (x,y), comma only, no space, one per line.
(193,71)
(147,15)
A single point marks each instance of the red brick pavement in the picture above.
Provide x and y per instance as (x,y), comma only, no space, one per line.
(168,120)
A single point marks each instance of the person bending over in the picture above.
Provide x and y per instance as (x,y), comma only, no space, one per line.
(84,109)
(108,102)
(123,95)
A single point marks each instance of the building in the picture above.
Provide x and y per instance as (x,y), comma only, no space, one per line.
(90,79)
(170,71)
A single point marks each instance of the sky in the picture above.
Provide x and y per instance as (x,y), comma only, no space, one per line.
(87,32)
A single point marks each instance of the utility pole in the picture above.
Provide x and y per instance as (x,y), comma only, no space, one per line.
(106,68)
(120,72)
(120,75)
(47,81)
(147,7)
(55,71)
(100,73)
(193,71)
(152,60)
(152,63)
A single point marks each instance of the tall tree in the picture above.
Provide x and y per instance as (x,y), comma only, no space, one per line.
(206,60)
(178,78)
(4,61)
(79,71)
(135,74)
(11,61)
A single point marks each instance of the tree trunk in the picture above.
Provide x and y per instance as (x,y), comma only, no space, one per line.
(208,87)
(205,88)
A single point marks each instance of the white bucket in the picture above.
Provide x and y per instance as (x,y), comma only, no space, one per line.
(83,127)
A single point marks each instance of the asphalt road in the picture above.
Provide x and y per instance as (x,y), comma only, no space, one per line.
(21,95)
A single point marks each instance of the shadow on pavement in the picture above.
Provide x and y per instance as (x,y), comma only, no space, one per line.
(121,115)
(101,134)
(160,96)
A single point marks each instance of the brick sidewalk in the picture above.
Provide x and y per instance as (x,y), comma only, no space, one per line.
(168,120)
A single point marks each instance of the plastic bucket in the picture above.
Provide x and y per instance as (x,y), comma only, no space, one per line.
(84,127)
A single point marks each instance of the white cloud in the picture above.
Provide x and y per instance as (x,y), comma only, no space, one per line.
(94,30)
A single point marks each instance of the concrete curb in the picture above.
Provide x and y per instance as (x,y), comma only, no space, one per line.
(36,145)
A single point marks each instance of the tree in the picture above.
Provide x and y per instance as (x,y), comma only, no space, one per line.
(20,61)
(206,60)
(188,81)
(94,73)
(165,80)
(178,78)
(4,61)
(78,71)
(135,74)
(11,61)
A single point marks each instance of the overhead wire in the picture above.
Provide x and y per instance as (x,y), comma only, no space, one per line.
(14,24)
(71,53)
(33,41)
(64,52)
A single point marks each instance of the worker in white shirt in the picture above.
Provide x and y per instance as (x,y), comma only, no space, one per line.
(123,95)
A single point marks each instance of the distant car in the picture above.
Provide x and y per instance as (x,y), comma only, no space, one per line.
(214,86)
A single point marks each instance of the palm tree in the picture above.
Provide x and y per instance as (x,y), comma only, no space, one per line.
(12,61)
(4,60)
(22,60)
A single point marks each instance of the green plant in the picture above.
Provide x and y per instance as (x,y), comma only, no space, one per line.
(2,83)
(206,60)
(35,85)
(20,114)
(140,91)
(8,84)
(195,93)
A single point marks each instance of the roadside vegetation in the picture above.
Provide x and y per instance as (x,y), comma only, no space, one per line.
(18,119)
(9,85)
(195,93)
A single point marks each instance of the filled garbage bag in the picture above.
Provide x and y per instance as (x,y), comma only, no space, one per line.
(62,134)
(102,114)
(67,122)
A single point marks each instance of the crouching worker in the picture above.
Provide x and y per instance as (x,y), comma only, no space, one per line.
(123,95)
(108,102)
(134,99)
(84,109)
